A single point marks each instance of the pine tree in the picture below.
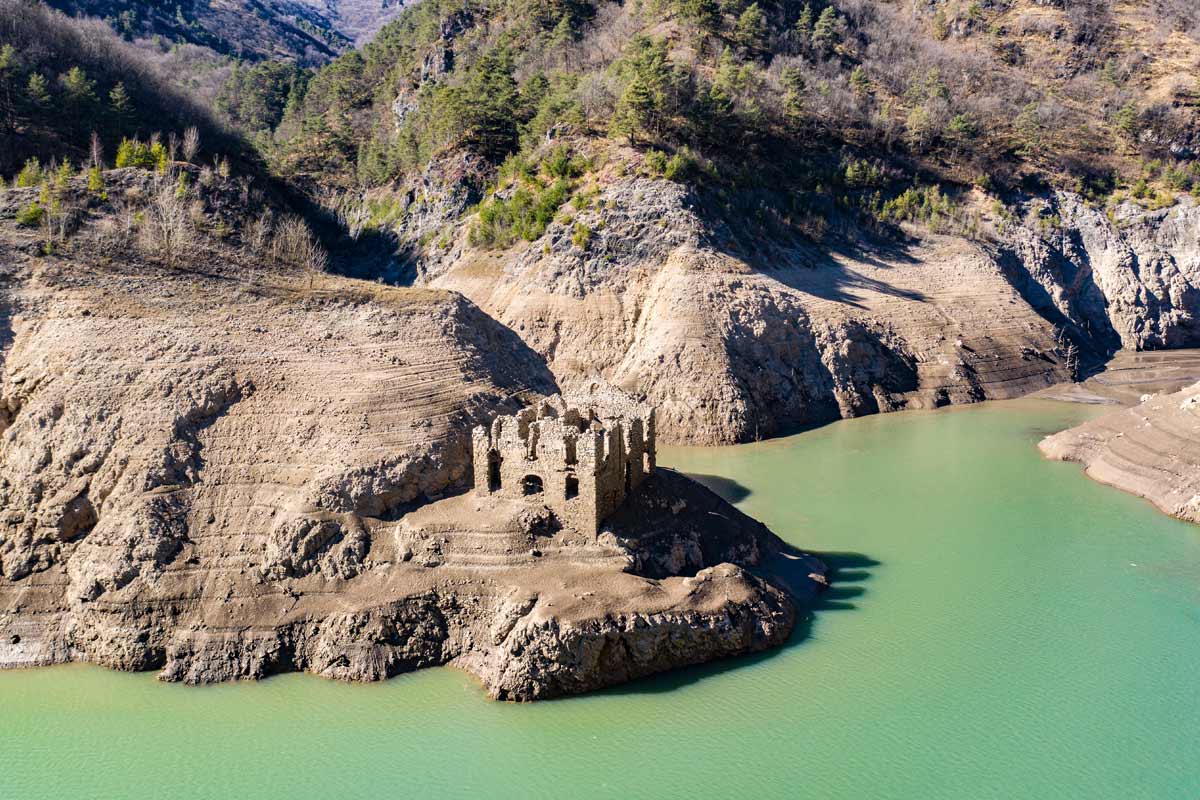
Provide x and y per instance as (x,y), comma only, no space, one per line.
(80,92)
(804,25)
(704,14)
(793,92)
(1127,121)
(563,34)
(825,33)
(859,81)
(634,110)
(126,154)
(750,32)
(643,102)
(8,89)
(121,105)
(38,91)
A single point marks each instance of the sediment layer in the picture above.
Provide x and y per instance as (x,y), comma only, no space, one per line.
(1151,450)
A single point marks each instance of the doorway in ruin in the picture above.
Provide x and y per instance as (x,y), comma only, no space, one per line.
(531,484)
(494,461)
(572,487)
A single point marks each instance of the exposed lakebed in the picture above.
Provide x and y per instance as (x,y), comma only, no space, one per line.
(1000,627)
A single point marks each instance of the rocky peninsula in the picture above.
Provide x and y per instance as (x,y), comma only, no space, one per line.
(1151,450)
(235,471)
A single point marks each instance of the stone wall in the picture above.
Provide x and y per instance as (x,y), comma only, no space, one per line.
(580,460)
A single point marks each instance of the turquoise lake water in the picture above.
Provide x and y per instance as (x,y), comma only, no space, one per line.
(1003,628)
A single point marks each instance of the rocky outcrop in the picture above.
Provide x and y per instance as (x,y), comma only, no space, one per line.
(728,612)
(1128,280)
(735,340)
(1151,450)
(233,472)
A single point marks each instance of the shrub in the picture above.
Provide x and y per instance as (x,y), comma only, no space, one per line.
(525,215)
(581,236)
(561,164)
(133,153)
(62,177)
(919,204)
(681,166)
(166,229)
(294,243)
(95,179)
(31,215)
(656,162)
(861,174)
(30,174)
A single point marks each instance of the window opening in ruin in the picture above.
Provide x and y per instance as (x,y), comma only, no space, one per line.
(572,486)
(531,484)
(494,460)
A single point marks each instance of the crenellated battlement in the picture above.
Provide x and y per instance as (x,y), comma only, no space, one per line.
(581,459)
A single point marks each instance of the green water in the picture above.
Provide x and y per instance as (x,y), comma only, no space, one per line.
(1005,629)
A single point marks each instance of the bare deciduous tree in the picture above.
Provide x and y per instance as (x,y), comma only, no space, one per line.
(96,158)
(166,229)
(191,143)
(258,236)
(295,244)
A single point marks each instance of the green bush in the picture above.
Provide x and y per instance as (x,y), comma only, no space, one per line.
(562,164)
(919,204)
(681,166)
(863,174)
(31,215)
(30,174)
(133,153)
(581,236)
(524,215)
(95,179)
(656,162)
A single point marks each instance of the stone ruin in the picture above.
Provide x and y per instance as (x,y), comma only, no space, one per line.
(579,460)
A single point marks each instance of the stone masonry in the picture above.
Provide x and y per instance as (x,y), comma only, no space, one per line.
(580,461)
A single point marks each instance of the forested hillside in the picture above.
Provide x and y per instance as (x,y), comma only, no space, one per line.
(254,29)
(754,214)
(63,80)
(848,96)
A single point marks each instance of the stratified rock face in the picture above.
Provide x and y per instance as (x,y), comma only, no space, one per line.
(235,473)
(735,340)
(1132,281)
(732,352)
(1151,450)
(149,414)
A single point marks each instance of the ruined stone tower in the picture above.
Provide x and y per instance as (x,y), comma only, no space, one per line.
(580,460)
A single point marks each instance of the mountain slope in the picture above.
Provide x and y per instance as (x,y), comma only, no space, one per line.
(63,79)
(766,215)
(253,29)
